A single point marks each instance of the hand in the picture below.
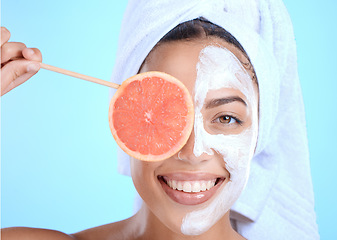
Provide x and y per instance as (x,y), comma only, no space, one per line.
(16,62)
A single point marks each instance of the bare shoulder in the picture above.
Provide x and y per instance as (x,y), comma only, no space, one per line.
(25,233)
(117,230)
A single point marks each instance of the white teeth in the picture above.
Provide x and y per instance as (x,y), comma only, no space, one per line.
(209,185)
(187,187)
(203,186)
(174,184)
(180,186)
(191,186)
(196,187)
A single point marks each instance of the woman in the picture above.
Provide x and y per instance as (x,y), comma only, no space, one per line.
(267,154)
(228,113)
(279,190)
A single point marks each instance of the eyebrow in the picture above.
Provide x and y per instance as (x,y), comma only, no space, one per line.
(220,101)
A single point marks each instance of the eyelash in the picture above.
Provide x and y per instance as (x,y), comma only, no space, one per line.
(238,121)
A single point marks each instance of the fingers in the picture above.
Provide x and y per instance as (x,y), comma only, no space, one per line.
(32,54)
(15,50)
(5,35)
(17,64)
(17,72)
(11,51)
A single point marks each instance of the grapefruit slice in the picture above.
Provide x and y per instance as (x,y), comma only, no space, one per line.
(151,116)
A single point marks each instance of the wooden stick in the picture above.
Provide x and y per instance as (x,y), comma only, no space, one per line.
(78,75)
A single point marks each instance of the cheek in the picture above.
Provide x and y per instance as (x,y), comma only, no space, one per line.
(146,183)
(236,153)
(136,175)
(142,176)
(135,168)
(234,149)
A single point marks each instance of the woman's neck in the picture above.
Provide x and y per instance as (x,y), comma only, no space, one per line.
(145,225)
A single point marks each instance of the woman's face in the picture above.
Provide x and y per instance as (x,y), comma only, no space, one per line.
(191,191)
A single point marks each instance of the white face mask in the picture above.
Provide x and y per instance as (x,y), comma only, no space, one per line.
(219,68)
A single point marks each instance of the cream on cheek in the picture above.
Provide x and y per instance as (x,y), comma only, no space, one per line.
(219,68)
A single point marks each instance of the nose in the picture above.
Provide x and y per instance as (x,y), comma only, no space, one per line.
(188,153)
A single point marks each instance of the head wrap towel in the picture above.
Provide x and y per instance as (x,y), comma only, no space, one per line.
(278,201)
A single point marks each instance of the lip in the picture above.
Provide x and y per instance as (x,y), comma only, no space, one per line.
(190,198)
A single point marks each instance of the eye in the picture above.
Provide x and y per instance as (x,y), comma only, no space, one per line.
(227,119)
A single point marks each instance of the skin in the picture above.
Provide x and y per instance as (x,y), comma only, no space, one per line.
(179,59)
(18,63)
(159,217)
(221,127)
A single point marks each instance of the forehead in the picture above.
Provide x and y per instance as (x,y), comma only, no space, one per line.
(180,58)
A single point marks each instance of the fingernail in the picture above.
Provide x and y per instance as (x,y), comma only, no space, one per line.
(33,67)
(30,51)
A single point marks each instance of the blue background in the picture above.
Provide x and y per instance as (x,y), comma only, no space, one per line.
(58,161)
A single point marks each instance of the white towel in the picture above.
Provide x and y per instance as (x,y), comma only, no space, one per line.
(278,201)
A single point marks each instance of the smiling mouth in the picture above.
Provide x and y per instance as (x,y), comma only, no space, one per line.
(190,192)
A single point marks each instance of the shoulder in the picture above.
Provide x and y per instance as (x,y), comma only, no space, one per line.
(117,230)
(25,233)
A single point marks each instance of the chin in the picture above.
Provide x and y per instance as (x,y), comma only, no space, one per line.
(195,213)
